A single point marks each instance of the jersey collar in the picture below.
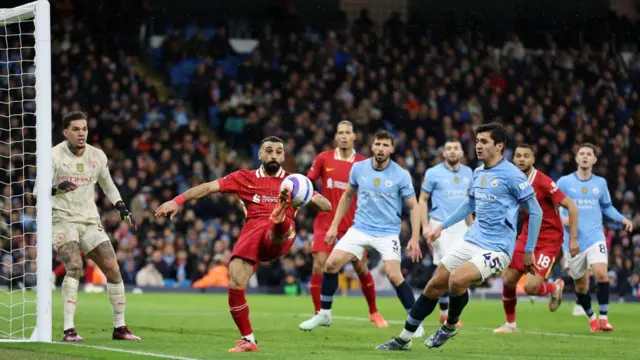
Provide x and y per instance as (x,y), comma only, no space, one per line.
(351,158)
(496,164)
(575,173)
(532,176)
(260,173)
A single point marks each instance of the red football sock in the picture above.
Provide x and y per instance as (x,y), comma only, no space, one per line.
(315,287)
(369,291)
(240,311)
(279,231)
(546,288)
(509,301)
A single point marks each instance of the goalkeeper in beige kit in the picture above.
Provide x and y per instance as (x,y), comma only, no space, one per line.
(77,167)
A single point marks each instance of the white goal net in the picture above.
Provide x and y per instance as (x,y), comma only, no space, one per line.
(25,148)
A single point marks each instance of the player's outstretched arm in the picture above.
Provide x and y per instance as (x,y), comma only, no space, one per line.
(568,204)
(171,207)
(415,214)
(320,202)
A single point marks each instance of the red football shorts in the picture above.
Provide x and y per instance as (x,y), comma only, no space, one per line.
(545,255)
(319,246)
(255,243)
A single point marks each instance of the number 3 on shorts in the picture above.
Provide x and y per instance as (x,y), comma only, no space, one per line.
(395,245)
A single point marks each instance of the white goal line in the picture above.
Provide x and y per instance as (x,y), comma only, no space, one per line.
(134,352)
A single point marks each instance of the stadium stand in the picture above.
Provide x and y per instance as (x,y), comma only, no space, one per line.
(299,86)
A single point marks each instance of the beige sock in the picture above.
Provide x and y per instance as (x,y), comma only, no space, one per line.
(69,298)
(118,303)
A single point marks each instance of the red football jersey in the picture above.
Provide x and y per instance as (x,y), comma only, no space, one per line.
(334,171)
(257,191)
(549,196)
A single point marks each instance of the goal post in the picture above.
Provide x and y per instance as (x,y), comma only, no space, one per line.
(25,152)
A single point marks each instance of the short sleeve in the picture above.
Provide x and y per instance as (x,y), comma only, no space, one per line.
(406,186)
(519,186)
(553,191)
(230,183)
(605,196)
(429,182)
(316,168)
(353,174)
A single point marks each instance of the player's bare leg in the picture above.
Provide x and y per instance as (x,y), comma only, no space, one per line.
(240,271)
(369,291)
(423,307)
(510,280)
(584,298)
(105,258)
(336,261)
(459,281)
(70,255)
(602,280)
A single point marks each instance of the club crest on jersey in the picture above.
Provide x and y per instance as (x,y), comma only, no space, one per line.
(483,182)
(456,180)
(376,182)
(388,183)
(494,183)
(584,190)
(596,191)
(80,167)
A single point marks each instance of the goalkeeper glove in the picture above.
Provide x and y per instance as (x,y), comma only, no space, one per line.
(125,214)
(63,188)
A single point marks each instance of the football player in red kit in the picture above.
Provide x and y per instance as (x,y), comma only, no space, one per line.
(333,167)
(269,229)
(549,243)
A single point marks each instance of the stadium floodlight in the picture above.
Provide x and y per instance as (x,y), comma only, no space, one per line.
(25,152)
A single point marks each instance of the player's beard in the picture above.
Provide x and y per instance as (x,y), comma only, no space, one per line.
(271,167)
(453,163)
(74,148)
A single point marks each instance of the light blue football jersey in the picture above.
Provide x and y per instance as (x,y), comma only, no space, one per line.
(380,197)
(448,189)
(590,197)
(497,193)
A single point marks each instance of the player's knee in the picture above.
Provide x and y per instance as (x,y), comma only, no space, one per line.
(318,263)
(531,288)
(601,276)
(73,268)
(112,272)
(436,287)
(331,266)
(457,282)
(360,267)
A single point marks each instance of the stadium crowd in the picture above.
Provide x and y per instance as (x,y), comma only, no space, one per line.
(298,86)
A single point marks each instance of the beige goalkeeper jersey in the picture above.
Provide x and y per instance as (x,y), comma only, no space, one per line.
(79,206)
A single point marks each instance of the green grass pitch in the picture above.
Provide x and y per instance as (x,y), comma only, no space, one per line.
(198,326)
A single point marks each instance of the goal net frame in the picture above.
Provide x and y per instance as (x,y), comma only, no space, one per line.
(39,13)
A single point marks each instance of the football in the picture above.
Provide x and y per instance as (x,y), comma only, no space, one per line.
(301,188)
